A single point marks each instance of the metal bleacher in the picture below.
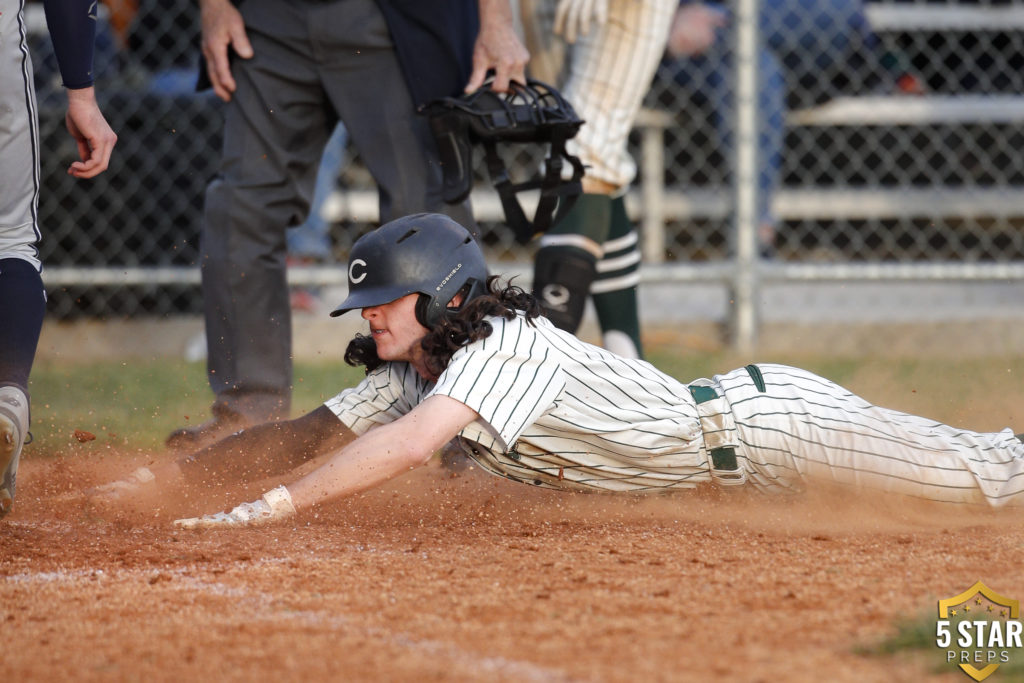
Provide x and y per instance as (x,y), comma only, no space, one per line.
(939,109)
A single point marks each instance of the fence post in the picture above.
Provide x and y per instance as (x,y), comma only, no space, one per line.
(744,310)
(652,183)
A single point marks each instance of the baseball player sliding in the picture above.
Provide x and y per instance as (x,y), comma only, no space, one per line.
(451,354)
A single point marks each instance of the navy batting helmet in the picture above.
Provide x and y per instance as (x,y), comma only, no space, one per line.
(425,253)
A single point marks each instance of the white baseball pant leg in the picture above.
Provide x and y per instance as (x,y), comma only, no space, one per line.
(610,72)
(803,427)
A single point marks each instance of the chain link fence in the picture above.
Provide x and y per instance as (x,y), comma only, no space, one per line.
(888,132)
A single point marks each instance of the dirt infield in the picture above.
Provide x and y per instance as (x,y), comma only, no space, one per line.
(436,577)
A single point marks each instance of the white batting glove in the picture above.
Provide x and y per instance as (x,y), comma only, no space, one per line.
(274,505)
(132,484)
(573,17)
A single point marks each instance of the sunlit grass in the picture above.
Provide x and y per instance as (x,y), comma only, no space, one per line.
(136,403)
(916,636)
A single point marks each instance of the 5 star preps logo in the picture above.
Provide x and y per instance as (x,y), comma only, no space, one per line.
(978,630)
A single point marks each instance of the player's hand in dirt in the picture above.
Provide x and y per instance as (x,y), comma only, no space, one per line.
(135,483)
(274,505)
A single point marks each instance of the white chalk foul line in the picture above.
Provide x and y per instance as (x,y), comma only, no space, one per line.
(264,607)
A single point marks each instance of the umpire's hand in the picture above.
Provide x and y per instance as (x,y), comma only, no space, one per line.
(223,29)
(497,47)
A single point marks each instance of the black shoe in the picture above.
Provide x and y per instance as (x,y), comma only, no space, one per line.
(192,439)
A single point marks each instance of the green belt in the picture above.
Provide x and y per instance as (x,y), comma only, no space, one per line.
(723,458)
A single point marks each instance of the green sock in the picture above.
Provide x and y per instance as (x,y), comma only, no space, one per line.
(615,289)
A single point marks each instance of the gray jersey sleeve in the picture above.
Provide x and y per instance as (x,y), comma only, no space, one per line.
(510,378)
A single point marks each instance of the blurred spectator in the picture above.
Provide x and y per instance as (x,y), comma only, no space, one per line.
(810,52)
(121,15)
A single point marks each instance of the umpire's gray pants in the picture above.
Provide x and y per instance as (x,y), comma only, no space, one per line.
(314,61)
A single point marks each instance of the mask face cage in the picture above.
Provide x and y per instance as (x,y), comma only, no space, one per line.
(531,113)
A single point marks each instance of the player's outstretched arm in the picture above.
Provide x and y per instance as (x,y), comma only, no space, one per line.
(261,451)
(266,450)
(92,133)
(497,47)
(385,452)
(377,456)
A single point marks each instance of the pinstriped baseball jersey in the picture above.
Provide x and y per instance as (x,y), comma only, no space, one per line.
(558,412)
(554,411)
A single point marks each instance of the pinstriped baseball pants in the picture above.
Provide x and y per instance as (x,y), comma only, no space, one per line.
(609,72)
(804,428)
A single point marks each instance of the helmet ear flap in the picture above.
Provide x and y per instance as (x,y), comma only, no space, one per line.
(423,311)
(429,310)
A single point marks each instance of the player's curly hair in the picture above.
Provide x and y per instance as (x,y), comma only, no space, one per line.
(455,331)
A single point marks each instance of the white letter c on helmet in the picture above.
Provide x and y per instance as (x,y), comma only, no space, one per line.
(352,277)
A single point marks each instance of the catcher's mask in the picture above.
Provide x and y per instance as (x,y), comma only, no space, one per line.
(425,253)
(531,113)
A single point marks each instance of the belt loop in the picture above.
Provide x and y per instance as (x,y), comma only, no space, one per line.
(719,432)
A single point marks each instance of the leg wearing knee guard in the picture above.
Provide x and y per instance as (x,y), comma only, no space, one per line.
(564,265)
(561,281)
(615,288)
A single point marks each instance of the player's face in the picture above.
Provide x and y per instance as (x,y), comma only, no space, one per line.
(396,331)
